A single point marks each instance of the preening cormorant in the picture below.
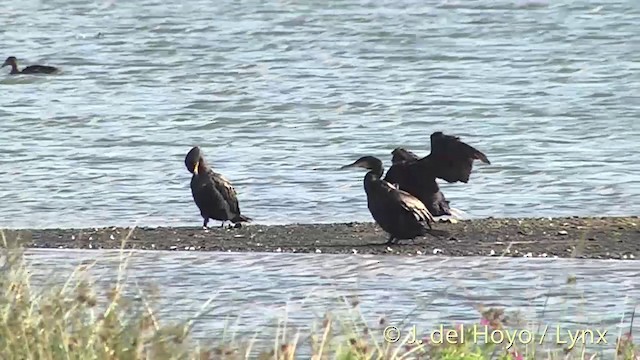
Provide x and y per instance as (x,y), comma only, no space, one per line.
(450,159)
(212,193)
(33,69)
(397,212)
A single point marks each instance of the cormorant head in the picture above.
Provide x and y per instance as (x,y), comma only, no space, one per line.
(367,162)
(11,61)
(400,154)
(438,140)
(193,160)
(397,155)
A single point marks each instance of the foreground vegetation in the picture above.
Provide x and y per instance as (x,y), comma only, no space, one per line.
(76,320)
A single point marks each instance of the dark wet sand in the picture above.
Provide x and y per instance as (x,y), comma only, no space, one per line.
(597,238)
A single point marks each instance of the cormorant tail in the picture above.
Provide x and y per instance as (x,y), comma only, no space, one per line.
(241,218)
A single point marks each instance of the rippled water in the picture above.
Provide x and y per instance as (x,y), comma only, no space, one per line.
(263,288)
(280,93)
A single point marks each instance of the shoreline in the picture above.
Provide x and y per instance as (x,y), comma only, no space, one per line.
(564,237)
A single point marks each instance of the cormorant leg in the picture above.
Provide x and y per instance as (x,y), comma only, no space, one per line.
(391,238)
(237,225)
(222,224)
(206,221)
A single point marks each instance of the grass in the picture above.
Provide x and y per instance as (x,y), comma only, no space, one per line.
(76,320)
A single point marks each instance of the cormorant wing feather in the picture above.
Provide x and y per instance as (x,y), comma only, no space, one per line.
(452,147)
(227,191)
(401,154)
(454,158)
(394,174)
(409,202)
(207,196)
(409,173)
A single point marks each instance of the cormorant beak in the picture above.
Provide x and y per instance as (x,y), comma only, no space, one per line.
(355,164)
(195,168)
(5,64)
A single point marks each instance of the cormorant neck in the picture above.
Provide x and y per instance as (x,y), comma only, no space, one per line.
(14,68)
(369,180)
(377,170)
(374,174)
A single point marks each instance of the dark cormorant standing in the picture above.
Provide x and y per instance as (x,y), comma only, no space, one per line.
(397,212)
(33,69)
(450,159)
(213,194)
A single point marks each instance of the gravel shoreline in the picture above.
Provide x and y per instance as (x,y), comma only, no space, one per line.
(594,238)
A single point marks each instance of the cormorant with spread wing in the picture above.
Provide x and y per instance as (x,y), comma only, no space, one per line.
(397,212)
(454,158)
(212,193)
(450,159)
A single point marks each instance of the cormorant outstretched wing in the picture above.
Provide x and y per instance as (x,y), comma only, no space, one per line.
(453,158)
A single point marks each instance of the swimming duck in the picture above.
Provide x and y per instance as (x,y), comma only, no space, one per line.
(33,69)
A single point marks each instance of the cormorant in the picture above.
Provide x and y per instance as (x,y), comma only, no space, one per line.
(450,159)
(417,177)
(33,69)
(212,193)
(397,212)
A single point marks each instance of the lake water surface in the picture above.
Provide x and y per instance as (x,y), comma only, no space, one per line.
(280,93)
(253,291)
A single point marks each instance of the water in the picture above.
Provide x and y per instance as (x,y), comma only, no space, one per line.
(253,291)
(280,93)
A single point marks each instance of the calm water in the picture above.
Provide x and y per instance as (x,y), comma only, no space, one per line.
(280,93)
(253,291)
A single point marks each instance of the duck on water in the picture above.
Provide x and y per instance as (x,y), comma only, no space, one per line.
(397,212)
(33,69)
(450,160)
(213,194)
